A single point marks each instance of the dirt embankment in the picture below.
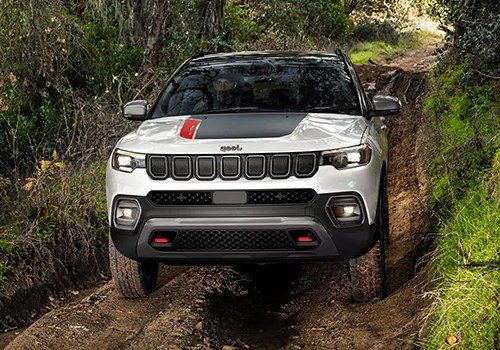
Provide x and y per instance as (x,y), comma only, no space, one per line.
(273,307)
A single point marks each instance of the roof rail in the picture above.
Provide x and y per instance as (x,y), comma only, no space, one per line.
(201,54)
(342,55)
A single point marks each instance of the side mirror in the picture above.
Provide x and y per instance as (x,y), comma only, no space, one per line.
(136,110)
(385,106)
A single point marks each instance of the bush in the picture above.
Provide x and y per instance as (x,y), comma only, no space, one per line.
(57,219)
(324,19)
(242,29)
(60,61)
(376,30)
(471,26)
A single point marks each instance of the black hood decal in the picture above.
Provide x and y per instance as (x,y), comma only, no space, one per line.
(231,126)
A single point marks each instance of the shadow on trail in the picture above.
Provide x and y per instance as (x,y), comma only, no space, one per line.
(251,311)
(260,309)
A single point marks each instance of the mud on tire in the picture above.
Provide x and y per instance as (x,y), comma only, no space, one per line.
(132,279)
(367,273)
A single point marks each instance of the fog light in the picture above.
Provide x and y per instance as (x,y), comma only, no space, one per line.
(345,210)
(349,210)
(127,213)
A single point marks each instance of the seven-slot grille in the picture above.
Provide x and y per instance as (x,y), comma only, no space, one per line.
(289,196)
(232,167)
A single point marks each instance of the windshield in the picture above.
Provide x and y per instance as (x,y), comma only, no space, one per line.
(320,85)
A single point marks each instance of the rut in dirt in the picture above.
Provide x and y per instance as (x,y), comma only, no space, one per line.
(274,307)
(310,306)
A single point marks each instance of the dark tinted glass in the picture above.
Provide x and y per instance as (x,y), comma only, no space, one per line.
(296,85)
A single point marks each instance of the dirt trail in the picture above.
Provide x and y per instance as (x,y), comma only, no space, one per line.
(274,307)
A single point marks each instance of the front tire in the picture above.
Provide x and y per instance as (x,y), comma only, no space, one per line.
(367,273)
(133,279)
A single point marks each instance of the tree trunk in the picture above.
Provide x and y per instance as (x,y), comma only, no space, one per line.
(152,52)
(213,18)
(139,31)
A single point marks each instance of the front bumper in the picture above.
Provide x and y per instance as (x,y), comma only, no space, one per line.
(334,242)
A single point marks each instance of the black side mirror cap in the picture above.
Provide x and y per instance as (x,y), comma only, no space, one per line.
(136,110)
(385,106)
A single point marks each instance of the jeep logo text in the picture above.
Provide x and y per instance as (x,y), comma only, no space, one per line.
(231,148)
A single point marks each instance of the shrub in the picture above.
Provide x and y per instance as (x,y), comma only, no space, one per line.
(324,19)
(60,61)
(376,30)
(242,29)
(59,220)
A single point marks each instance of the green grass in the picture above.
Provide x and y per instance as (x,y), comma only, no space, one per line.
(464,153)
(383,51)
(467,294)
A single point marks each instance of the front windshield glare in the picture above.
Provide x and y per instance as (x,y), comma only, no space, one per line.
(280,85)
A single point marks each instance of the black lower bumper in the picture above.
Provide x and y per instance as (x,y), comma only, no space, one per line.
(334,242)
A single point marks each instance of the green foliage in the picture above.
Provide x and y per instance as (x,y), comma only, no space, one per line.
(473,26)
(464,153)
(323,19)
(466,297)
(105,58)
(59,60)
(239,24)
(464,127)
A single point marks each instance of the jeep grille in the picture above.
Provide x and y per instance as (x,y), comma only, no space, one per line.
(232,167)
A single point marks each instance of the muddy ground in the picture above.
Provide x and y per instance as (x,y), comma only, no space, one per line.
(274,307)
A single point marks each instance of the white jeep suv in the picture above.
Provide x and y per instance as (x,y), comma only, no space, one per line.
(253,157)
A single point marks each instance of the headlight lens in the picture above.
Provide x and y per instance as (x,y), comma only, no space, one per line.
(344,158)
(128,161)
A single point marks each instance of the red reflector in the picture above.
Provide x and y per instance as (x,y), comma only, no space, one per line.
(161,240)
(309,237)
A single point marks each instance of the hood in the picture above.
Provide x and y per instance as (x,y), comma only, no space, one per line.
(245,133)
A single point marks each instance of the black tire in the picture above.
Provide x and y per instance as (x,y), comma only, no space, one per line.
(367,273)
(132,279)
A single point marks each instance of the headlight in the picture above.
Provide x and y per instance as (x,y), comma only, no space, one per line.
(344,158)
(127,161)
